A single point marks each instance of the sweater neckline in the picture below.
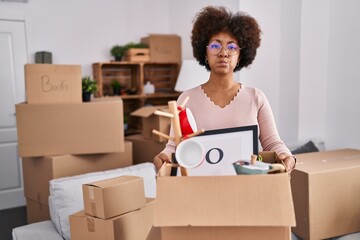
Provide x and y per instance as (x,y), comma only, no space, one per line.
(227,105)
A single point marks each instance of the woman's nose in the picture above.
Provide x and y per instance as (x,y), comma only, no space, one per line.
(223,52)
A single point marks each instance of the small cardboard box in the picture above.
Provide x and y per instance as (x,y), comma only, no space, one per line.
(134,225)
(144,150)
(38,171)
(137,55)
(164,48)
(36,211)
(112,197)
(53,83)
(77,128)
(151,121)
(326,192)
(225,207)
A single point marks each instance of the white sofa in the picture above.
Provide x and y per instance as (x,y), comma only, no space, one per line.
(66,198)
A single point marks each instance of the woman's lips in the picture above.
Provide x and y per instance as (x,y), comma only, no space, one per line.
(223,63)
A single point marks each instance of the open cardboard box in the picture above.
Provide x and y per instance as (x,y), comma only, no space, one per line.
(151,121)
(225,207)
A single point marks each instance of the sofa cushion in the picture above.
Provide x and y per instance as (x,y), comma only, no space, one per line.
(36,231)
(66,195)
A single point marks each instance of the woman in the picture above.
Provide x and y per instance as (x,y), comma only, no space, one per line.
(224,43)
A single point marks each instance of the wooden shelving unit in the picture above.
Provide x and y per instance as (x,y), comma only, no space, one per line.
(133,76)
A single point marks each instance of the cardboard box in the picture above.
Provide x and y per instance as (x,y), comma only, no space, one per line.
(326,192)
(137,55)
(38,171)
(52,83)
(36,211)
(134,225)
(164,48)
(224,233)
(151,121)
(144,150)
(112,197)
(225,207)
(59,129)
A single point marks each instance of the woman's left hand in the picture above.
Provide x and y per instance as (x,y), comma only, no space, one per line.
(288,161)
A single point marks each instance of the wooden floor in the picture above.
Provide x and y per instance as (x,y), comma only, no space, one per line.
(9,219)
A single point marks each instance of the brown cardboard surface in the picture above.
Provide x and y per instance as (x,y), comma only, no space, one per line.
(154,234)
(38,171)
(112,197)
(164,48)
(58,129)
(244,200)
(225,207)
(53,83)
(134,225)
(144,150)
(36,211)
(151,121)
(225,233)
(326,193)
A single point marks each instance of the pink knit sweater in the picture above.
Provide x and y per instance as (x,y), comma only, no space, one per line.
(249,107)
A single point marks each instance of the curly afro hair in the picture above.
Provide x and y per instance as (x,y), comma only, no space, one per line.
(213,20)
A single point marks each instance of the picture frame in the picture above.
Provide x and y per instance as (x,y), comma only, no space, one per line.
(222,147)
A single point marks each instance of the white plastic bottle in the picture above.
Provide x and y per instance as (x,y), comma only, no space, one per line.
(149,88)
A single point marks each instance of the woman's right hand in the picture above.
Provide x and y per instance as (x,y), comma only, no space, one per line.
(160,159)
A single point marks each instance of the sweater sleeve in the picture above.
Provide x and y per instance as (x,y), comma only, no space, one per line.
(269,137)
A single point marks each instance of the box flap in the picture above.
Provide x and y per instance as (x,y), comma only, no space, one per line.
(247,200)
(147,111)
(268,156)
(113,181)
(328,161)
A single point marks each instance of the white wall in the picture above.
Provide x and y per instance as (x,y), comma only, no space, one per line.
(329,76)
(308,67)
(276,67)
(342,116)
(182,14)
(313,68)
(82,31)
(307,64)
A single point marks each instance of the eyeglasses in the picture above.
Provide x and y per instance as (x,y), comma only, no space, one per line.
(215,48)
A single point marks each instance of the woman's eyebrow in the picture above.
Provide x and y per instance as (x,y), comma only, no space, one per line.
(220,41)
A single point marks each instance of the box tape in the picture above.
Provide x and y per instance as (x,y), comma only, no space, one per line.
(92,200)
(90,224)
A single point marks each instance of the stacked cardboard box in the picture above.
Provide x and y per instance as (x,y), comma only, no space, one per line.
(164,48)
(55,127)
(38,171)
(115,209)
(224,207)
(144,149)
